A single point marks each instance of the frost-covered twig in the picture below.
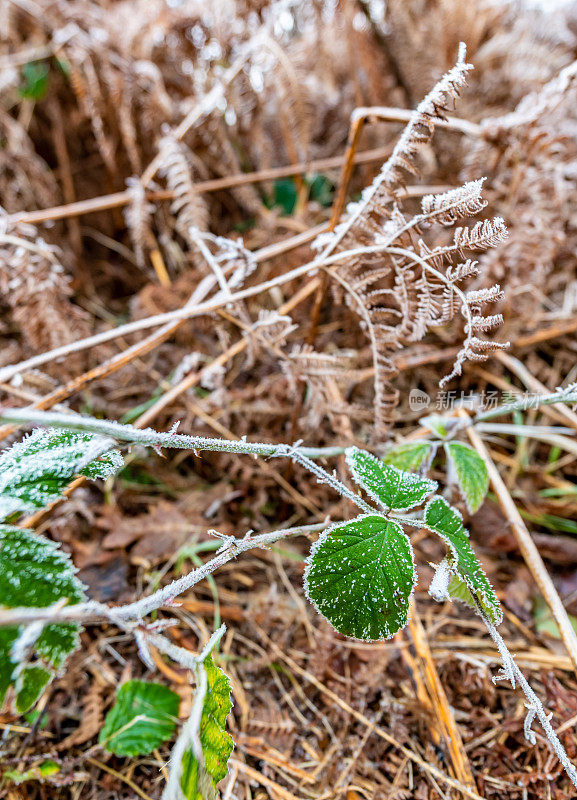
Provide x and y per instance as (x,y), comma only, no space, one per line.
(532,400)
(513,674)
(188,311)
(152,438)
(95,612)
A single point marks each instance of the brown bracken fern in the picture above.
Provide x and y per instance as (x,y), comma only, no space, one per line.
(399,285)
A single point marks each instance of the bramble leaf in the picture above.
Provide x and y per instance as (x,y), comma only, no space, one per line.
(217,744)
(410,456)
(389,486)
(34,572)
(446,521)
(143,717)
(360,576)
(471,472)
(35,471)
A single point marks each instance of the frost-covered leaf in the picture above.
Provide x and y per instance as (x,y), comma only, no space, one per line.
(360,576)
(446,521)
(34,572)
(217,744)
(471,473)
(35,471)
(410,456)
(143,717)
(389,486)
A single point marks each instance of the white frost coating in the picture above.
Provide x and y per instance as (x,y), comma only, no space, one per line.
(336,602)
(511,671)
(24,643)
(401,490)
(439,588)
(24,466)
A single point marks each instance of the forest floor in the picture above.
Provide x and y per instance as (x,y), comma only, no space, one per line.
(136,136)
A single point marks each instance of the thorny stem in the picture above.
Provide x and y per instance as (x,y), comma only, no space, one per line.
(512,673)
(95,612)
(568,395)
(151,438)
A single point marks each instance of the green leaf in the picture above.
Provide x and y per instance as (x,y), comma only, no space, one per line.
(285,195)
(389,486)
(143,717)
(471,472)
(438,425)
(544,621)
(446,521)
(30,684)
(217,744)
(35,76)
(35,471)
(321,189)
(410,456)
(44,770)
(34,572)
(360,576)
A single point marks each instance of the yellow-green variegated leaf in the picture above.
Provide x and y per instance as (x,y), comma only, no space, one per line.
(196,782)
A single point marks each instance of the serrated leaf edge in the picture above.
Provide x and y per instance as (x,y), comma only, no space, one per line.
(349,454)
(473,589)
(472,509)
(324,536)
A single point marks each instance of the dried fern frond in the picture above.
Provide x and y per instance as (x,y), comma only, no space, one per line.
(138,214)
(36,288)
(366,216)
(408,287)
(448,207)
(177,168)
(484,234)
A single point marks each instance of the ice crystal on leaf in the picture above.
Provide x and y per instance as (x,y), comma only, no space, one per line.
(35,471)
(34,572)
(389,486)
(360,576)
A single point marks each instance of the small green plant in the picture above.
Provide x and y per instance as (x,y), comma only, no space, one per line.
(360,576)
(143,717)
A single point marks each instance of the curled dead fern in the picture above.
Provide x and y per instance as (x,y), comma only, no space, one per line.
(396,282)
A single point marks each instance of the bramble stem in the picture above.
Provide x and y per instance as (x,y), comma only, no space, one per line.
(527,546)
(95,613)
(535,708)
